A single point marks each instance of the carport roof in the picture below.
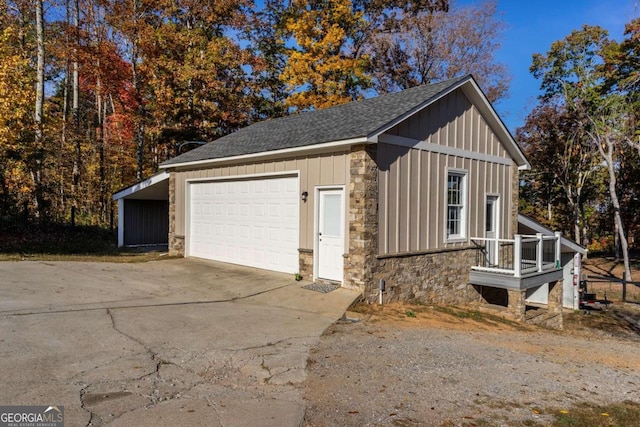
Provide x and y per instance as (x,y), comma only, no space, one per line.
(156,187)
(359,121)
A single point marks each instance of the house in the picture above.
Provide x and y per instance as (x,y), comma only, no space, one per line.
(417,190)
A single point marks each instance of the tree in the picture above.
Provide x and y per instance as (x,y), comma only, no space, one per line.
(322,69)
(197,77)
(16,120)
(266,34)
(559,150)
(38,114)
(573,71)
(438,44)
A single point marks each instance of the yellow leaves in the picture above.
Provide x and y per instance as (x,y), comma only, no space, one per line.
(322,70)
(16,91)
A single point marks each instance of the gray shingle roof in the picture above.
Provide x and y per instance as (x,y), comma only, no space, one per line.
(355,119)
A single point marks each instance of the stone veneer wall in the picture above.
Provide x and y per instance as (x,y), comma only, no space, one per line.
(360,262)
(438,277)
(549,317)
(176,243)
(306,263)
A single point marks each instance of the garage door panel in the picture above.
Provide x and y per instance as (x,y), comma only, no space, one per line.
(247,222)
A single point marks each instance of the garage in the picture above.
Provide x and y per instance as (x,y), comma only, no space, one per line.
(250,221)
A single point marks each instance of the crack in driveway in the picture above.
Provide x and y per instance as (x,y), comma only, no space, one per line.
(45,310)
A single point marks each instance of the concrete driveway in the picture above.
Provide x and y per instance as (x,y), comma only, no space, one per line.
(174,342)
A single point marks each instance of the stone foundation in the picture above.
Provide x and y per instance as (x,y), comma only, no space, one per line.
(551,317)
(517,304)
(434,278)
(305,264)
(176,243)
(534,314)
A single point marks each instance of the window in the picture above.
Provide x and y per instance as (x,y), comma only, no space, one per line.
(456,205)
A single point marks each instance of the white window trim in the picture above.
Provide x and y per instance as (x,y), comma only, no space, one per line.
(464,224)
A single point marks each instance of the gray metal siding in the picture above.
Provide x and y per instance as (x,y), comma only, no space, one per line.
(315,170)
(412,180)
(146,222)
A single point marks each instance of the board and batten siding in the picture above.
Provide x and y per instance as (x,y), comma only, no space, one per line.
(317,170)
(413,176)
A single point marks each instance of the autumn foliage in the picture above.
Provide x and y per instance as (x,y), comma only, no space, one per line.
(128,82)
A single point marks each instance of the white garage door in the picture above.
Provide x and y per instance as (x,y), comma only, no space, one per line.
(248,222)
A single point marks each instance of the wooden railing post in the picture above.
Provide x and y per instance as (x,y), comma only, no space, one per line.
(558,249)
(539,251)
(517,256)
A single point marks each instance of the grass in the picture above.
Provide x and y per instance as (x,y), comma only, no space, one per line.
(59,242)
(621,414)
(625,414)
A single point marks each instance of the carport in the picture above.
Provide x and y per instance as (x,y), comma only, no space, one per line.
(143,212)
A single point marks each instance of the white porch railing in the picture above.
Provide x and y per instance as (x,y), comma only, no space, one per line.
(521,256)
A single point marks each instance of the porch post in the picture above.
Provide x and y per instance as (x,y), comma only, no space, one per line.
(517,256)
(516,305)
(121,203)
(540,251)
(558,249)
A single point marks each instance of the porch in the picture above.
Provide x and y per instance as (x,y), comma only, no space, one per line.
(521,263)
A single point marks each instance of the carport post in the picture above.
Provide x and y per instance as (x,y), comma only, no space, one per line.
(120,223)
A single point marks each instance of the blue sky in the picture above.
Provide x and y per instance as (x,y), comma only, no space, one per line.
(533,25)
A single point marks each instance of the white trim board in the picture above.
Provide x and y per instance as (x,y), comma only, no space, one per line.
(274,153)
(251,176)
(153,180)
(442,149)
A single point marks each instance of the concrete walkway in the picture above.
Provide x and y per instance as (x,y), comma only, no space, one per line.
(175,342)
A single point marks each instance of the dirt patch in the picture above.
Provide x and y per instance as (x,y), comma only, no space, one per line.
(410,365)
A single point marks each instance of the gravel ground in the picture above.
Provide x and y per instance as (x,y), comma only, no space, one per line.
(437,369)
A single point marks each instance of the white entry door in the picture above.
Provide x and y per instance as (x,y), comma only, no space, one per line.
(329,257)
(491,230)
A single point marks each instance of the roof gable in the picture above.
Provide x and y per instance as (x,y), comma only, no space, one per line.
(360,120)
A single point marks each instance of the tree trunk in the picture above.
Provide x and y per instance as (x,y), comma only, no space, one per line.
(77,157)
(608,158)
(39,111)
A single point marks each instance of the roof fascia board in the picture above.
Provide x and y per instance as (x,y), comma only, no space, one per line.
(476,95)
(535,225)
(419,108)
(275,153)
(498,125)
(155,179)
